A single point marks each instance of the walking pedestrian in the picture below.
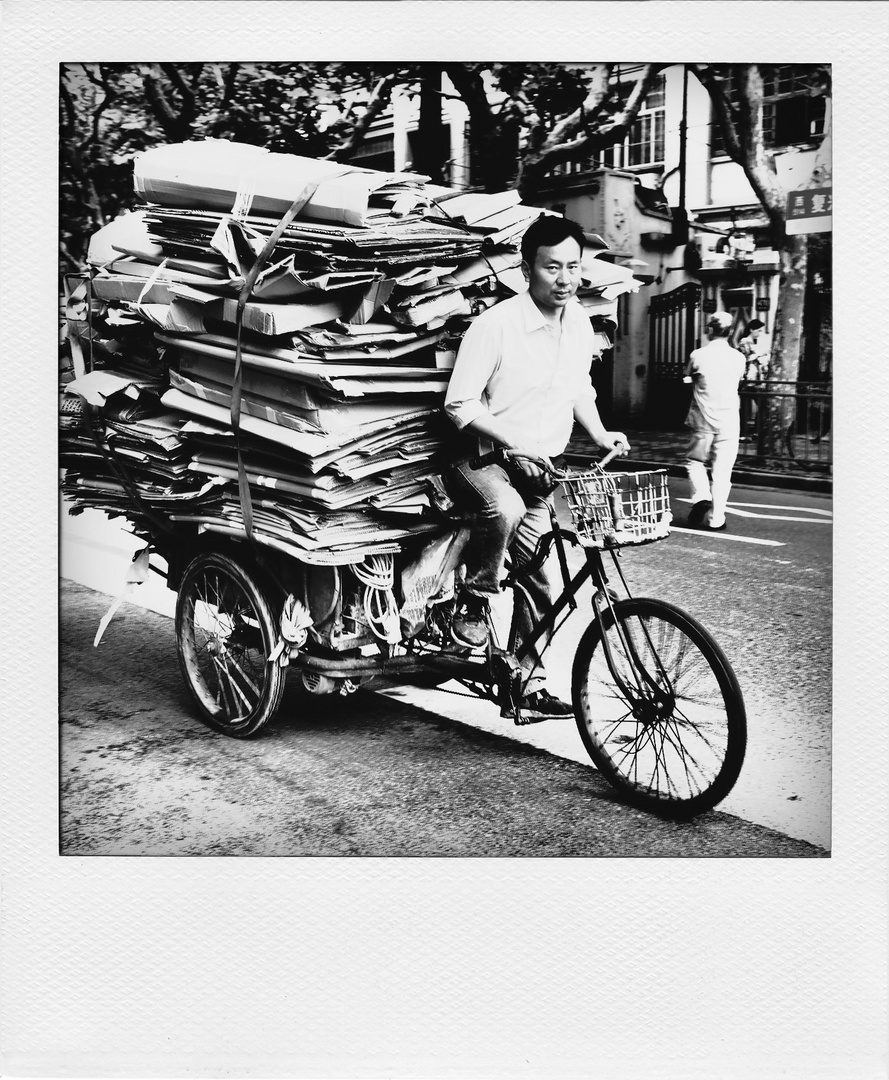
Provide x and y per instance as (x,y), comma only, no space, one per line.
(756,346)
(715,370)
(521,379)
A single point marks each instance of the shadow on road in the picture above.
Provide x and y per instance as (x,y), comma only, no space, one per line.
(363,775)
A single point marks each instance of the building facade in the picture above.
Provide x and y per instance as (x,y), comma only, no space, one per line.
(638,195)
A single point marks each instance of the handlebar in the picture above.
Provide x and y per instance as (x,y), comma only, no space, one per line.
(502,455)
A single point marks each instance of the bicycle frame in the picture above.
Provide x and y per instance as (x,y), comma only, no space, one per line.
(490,669)
(593,568)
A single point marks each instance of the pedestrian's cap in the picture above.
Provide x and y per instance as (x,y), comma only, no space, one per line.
(720,319)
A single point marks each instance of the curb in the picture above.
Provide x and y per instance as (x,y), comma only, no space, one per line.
(748,477)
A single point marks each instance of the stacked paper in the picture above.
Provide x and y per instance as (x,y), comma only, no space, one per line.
(346,340)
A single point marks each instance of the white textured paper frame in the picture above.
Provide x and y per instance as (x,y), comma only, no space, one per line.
(440,967)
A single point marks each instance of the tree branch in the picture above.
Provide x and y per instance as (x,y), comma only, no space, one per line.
(469,85)
(379,99)
(493,132)
(562,144)
(598,93)
(110,96)
(70,122)
(724,111)
(175,127)
(175,76)
(229,81)
(186,91)
(742,131)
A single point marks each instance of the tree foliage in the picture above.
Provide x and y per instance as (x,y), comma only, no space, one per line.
(110,112)
(740,118)
(525,119)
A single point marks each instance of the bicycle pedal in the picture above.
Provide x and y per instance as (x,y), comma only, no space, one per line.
(523,719)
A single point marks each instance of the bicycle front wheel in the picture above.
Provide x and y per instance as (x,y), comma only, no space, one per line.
(664,722)
(224,632)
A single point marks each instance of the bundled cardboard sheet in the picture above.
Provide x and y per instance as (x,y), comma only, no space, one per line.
(345,343)
(216,174)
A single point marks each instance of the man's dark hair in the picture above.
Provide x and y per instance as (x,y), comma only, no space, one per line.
(547,231)
(755,324)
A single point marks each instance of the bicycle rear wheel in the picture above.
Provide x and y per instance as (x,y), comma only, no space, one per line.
(224,633)
(670,732)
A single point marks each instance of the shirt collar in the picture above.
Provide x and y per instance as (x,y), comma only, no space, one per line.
(534,317)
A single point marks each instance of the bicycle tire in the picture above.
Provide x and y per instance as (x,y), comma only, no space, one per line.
(678,748)
(225,631)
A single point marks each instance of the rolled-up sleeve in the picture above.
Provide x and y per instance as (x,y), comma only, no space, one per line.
(585,388)
(476,362)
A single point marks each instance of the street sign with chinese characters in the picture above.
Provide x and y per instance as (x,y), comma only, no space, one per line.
(809,210)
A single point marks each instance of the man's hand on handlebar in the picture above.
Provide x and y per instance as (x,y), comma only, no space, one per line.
(538,467)
(616,443)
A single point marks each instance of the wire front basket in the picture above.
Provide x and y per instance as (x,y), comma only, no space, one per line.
(613,509)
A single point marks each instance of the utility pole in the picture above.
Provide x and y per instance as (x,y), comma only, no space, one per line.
(680,214)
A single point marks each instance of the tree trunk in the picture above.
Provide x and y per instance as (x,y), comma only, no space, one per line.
(432,148)
(493,139)
(780,406)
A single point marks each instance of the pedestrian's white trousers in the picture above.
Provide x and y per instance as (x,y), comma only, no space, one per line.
(723,453)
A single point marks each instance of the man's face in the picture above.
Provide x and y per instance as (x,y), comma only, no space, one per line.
(555,275)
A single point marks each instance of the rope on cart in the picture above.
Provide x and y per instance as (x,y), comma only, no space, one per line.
(377,574)
(243,484)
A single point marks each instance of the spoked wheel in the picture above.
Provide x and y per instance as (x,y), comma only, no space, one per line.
(671,731)
(224,632)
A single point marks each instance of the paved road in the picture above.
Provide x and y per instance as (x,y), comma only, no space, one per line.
(364,776)
(762,588)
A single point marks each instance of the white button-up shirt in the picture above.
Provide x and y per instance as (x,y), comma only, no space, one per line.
(717,369)
(517,367)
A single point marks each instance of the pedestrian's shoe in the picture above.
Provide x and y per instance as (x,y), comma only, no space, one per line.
(709,527)
(469,627)
(542,705)
(698,512)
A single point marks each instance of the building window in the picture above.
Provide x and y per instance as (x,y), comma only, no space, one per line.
(643,146)
(790,114)
(375,153)
(645,143)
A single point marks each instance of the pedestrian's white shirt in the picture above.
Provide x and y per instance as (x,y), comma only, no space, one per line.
(516,367)
(717,368)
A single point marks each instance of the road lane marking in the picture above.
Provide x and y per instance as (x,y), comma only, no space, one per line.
(728,536)
(778,517)
(732,508)
(799,509)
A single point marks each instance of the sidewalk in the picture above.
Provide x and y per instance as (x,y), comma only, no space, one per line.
(666,450)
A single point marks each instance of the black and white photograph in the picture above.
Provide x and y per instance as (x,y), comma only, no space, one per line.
(437,522)
(348,349)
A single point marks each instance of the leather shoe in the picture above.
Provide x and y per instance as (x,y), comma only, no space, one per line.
(542,705)
(469,627)
(698,512)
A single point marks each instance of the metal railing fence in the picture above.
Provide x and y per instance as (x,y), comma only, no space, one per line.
(788,422)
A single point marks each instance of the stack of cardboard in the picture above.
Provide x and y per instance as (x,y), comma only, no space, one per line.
(345,340)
